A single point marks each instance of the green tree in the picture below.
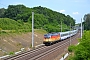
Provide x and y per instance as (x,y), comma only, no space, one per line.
(2,11)
(87,21)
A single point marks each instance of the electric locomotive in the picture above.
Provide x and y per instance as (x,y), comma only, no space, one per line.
(51,38)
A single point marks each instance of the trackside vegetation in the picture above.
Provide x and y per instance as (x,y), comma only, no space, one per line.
(19,17)
(10,25)
(86,22)
(81,51)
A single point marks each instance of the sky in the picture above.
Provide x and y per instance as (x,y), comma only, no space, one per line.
(75,8)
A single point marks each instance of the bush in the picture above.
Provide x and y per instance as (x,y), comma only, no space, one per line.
(71,48)
(11,53)
(82,51)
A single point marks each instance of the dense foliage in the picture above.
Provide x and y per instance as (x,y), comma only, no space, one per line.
(44,18)
(71,48)
(10,24)
(82,51)
(87,21)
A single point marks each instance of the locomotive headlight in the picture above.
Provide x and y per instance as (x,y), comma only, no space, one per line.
(46,39)
(49,39)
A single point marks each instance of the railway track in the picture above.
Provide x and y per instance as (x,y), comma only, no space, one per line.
(49,51)
(25,54)
(44,52)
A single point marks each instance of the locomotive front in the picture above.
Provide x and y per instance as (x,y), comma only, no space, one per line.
(51,38)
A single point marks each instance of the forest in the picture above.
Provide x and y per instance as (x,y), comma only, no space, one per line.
(19,17)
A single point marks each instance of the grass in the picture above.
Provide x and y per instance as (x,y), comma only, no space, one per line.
(41,31)
(11,53)
(7,33)
(12,32)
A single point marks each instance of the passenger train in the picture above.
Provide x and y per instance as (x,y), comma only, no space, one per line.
(51,38)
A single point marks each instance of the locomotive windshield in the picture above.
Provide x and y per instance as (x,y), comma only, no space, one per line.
(46,36)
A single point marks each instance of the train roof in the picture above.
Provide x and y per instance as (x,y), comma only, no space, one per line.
(54,33)
(49,34)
